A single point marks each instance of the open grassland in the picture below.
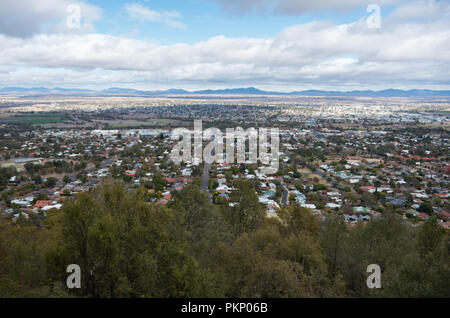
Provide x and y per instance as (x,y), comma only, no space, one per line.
(32,118)
(151,122)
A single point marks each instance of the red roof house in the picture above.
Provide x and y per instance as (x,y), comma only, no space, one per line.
(42,203)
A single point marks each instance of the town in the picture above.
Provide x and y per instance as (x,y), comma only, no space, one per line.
(336,157)
(199,155)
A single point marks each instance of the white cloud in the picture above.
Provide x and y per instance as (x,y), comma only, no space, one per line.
(403,54)
(25,18)
(295,7)
(141,13)
(422,10)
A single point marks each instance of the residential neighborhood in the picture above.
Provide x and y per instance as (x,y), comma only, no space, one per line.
(331,170)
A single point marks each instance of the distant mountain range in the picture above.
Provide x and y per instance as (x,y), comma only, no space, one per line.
(115,91)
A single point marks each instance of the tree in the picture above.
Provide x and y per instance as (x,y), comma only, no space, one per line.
(424,272)
(299,220)
(429,237)
(37,180)
(50,182)
(126,247)
(66,179)
(6,198)
(333,238)
(319,187)
(204,223)
(426,207)
(159,182)
(266,263)
(22,263)
(384,241)
(247,214)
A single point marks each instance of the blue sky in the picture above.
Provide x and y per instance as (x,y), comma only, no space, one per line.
(283,45)
(205,19)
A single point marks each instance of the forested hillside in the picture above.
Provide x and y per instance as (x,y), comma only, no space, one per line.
(127,247)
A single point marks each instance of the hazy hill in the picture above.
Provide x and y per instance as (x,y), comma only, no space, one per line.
(117,91)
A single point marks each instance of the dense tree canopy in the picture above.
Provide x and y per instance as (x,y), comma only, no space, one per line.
(129,247)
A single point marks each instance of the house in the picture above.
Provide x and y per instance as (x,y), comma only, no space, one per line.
(222,181)
(384,189)
(263,200)
(360,209)
(16,216)
(9,211)
(223,189)
(398,202)
(187,172)
(42,203)
(350,218)
(170,180)
(446,215)
(23,202)
(445,225)
(49,207)
(420,194)
(333,205)
(364,217)
(368,189)
(272,206)
(299,197)
(178,186)
(269,193)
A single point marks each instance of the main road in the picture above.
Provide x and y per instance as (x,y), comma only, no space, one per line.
(285,196)
(205,177)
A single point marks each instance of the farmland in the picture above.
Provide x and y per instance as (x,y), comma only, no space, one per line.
(33,118)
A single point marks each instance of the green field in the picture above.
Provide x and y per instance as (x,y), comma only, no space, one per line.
(151,122)
(161,121)
(33,119)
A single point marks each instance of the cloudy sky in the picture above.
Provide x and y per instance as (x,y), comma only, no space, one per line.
(282,45)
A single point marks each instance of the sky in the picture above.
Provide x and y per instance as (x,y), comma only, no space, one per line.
(280,45)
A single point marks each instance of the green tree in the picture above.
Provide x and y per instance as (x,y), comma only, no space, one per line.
(247,214)
(426,207)
(50,182)
(126,247)
(429,237)
(333,238)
